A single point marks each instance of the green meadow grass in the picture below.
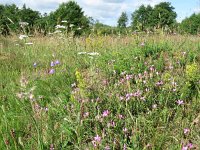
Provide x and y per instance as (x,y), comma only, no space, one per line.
(138,92)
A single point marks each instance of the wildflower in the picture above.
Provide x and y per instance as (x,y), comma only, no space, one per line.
(180,102)
(73,85)
(186,130)
(142,44)
(93,54)
(71,25)
(159,83)
(63,21)
(57,31)
(111,124)
(52,64)
(152,68)
(81,53)
(52,71)
(86,115)
(124,148)
(21,37)
(31,96)
(107,148)
(120,116)
(57,62)
(137,94)
(29,43)
(60,27)
(125,130)
(154,106)
(34,64)
(121,98)
(184,148)
(22,24)
(94,143)
(105,113)
(20,95)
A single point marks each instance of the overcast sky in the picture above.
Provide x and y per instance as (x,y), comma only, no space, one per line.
(108,11)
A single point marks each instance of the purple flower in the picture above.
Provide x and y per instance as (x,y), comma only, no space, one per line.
(57,62)
(159,83)
(105,113)
(35,64)
(184,148)
(52,64)
(52,71)
(180,102)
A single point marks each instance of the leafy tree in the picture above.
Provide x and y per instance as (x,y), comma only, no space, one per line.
(28,15)
(164,15)
(142,18)
(8,19)
(160,16)
(122,21)
(191,25)
(73,14)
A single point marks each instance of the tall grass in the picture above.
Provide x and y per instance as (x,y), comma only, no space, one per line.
(139,92)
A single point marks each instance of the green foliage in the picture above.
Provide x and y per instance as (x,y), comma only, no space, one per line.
(73,14)
(147,18)
(191,25)
(142,18)
(123,20)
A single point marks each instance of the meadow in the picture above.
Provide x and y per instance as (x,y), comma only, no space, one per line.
(132,92)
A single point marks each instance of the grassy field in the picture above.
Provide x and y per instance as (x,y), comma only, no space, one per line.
(123,93)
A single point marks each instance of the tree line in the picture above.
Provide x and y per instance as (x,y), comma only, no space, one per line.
(69,17)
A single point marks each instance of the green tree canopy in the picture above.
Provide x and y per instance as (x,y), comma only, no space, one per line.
(191,25)
(73,14)
(160,16)
(123,20)
(164,15)
(142,18)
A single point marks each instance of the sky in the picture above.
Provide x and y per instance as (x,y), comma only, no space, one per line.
(108,11)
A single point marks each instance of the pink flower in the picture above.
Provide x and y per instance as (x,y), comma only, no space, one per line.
(107,148)
(184,148)
(125,130)
(186,130)
(105,113)
(97,138)
(180,102)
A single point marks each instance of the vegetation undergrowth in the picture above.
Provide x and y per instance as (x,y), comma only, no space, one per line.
(138,92)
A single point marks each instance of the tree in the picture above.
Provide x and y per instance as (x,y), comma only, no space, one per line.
(191,25)
(164,15)
(142,18)
(28,15)
(122,21)
(73,14)
(8,19)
